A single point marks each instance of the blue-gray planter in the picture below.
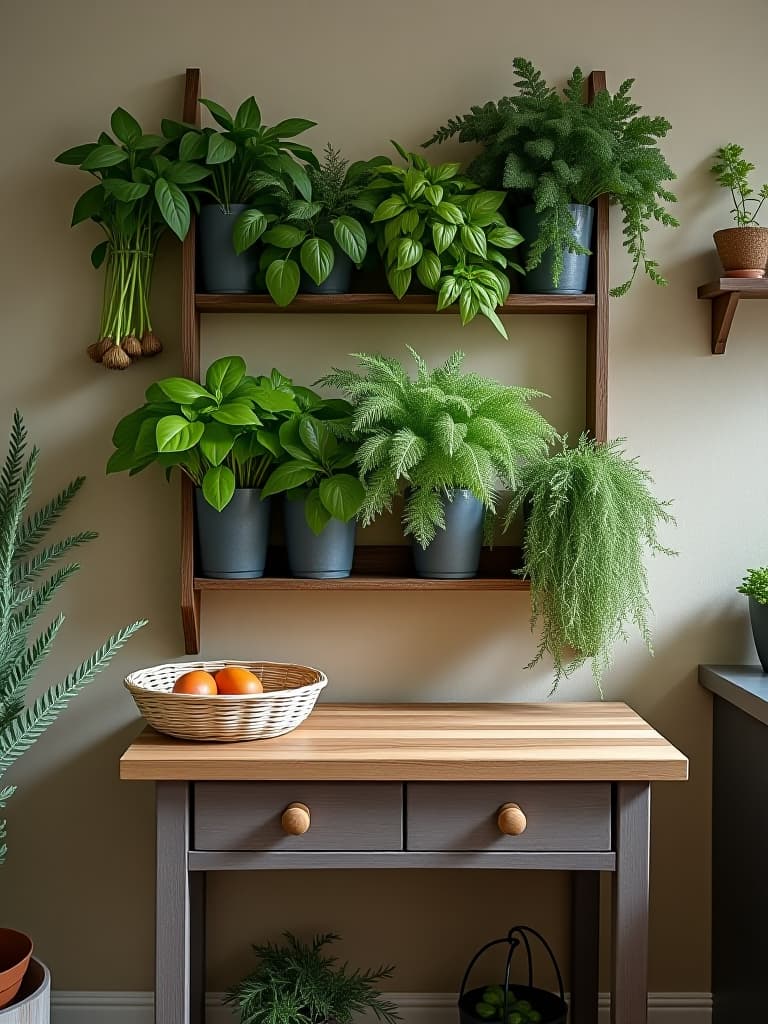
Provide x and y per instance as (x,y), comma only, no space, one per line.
(233,542)
(338,281)
(573,279)
(222,270)
(454,554)
(324,556)
(758,615)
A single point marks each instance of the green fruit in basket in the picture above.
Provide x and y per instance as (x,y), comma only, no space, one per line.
(494,995)
(485,1011)
(534,1017)
(523,1006)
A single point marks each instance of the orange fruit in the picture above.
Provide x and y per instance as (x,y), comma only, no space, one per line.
(237,680)
(197,682)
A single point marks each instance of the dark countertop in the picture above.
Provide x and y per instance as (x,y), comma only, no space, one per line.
(744,686)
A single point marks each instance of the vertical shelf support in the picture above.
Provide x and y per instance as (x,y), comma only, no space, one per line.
(597,318)
(723,310)
(190,365)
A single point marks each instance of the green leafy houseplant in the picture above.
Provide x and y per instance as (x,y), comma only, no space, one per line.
(436,222)
(27,586)
(755,585)
(559,150)
(222,435)
(324,216)
(442,430)
(320,448)
(298,983)
(142,187)
(592,519)
(732,172)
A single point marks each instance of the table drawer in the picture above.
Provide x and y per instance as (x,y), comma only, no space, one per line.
(555,816)
(342,816)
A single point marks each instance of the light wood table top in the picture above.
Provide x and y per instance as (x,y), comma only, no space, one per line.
(428,742)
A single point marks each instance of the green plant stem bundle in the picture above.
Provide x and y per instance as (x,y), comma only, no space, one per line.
(592,520)
(732,173)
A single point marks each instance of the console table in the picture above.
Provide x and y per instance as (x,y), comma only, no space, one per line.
(477,786)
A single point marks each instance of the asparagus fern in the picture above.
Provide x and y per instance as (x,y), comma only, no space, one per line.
(23,599)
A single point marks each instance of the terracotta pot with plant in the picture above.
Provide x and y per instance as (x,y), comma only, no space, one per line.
(743,250)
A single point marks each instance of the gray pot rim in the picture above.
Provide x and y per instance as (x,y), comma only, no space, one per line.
(44,984)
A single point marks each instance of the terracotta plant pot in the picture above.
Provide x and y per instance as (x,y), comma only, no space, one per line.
(743,251)
(15,954)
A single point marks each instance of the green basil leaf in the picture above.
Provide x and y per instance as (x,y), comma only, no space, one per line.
(106,155)
(217,442)
(193,146)
(75,156)
(270,399)
(442,236)
(177,434)
(443,172)
(248,229)
(449,212)
(219,486)
(126,128)
(315,512)
(317,258)
(290,439)
(473,239)
(99,254)
(289,475)
(343,495)
(414,183)
(505,238)
(90,203)
(185,173)
(269,440)
(282,279)
(248,115)
(297,174)
(224,375)
(125,191)
(284,236)
(350,237)
(291,127)
(389,208)
(149,142)
(173,206)
(469,304)
(408,253)
(236,414)
(449,292)
(173,129)
(429,269)
(317,438)
(220,115)
(220,150)
(434,194)
(180,389)
(399,281)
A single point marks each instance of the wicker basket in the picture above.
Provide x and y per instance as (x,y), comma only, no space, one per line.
(290,693)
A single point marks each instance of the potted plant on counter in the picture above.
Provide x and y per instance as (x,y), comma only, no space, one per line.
(298,983)
(319,235)
(322,501)
(29,580)
(451,439)
(143,186)
(743,250)
(224,436)
(556,154)
(591,519)
(237,156)
(755,586)
(436,223)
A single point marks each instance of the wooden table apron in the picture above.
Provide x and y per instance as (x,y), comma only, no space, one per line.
(458,762)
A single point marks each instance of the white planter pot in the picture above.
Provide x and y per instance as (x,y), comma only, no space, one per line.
(33,1003)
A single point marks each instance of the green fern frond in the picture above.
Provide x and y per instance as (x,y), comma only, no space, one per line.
(42,596)
(25,572)
(18,674)
(36,527)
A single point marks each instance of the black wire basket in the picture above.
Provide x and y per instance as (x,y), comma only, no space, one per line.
(545,1006)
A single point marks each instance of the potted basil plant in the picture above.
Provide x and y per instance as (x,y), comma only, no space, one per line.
(743,250)
(755,587)
(322,501)
(223,435)
(235,156)
(450,440)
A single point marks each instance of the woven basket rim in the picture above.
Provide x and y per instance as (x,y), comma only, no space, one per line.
(132,685)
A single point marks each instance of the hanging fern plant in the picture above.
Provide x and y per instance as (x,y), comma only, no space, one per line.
(592,520)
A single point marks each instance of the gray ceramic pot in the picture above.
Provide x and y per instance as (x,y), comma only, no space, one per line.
(222,270)
(233,542)
(338,281)
(758,615)
(573,279)
(454,554)
(324,556)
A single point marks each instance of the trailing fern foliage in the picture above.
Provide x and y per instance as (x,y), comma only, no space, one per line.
(297,983)
(559,149)
(443,429)
(592,520)
(24,595)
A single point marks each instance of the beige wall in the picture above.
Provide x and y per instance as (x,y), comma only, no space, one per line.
(79,875)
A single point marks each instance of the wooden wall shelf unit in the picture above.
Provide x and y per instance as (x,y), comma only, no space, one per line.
(725,295)
(380,567)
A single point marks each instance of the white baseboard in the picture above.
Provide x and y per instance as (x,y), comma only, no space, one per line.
(416,1008)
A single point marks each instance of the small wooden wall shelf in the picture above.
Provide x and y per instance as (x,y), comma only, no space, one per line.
(725,295)
(380,567)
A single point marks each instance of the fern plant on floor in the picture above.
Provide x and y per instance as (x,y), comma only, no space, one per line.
(25,592)
(298,983)
(440,431)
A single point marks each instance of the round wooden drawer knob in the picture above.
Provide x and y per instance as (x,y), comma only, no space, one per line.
(296,819)
(511,820)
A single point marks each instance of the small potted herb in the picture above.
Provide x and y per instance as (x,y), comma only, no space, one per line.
(319,233)
(436,223)
(223,435)
(743,250)
(451,439)
(143,186)
(755,586)
(556,154)
(591,519)
(322,501)
(236,156)
(298,983)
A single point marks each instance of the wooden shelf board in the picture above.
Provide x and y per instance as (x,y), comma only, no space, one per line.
(725,294)
(363,583)
(385,303)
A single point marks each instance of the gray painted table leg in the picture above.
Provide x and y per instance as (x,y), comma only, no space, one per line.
(585,946)
(629,997)
(175,896)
